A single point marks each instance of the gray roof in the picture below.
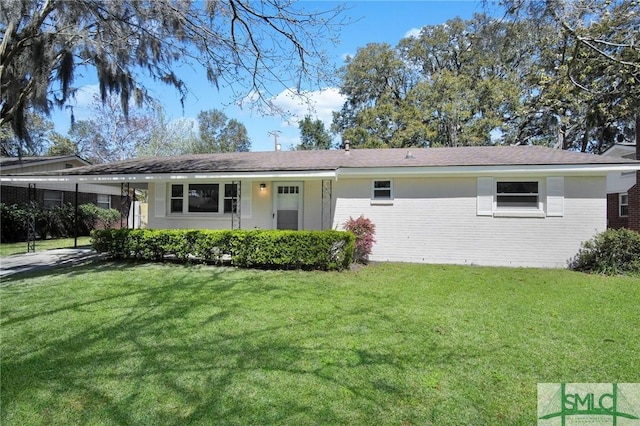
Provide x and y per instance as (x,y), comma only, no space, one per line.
(12,162)
(334,159)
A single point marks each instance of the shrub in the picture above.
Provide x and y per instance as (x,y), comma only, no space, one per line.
(108,217)
(91,217)
(364,230)
(13,220)
(55,222)
(327,250)
(612,252)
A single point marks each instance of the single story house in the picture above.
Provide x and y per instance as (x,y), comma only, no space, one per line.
(623,189)
(502,205)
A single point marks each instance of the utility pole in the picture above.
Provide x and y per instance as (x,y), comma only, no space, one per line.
(275,134)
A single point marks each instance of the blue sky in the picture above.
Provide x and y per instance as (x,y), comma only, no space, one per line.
(373,22)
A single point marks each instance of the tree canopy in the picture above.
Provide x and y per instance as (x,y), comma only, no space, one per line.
(218,133)
(244,44)
(313,135)
(551,72)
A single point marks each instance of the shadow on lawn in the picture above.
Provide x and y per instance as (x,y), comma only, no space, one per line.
(190,350)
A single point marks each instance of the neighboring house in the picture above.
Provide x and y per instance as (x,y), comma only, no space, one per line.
(52,194)
(623,190)
(504,205)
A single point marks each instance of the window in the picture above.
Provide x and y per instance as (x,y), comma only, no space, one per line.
(52,199)
(517,195)
(104,201)
(624,204)
(288,190)
(177,193)
(382,190)
(203,198)
(230,198)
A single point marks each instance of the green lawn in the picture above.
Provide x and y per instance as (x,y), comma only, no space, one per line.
(8,249)
(390,344)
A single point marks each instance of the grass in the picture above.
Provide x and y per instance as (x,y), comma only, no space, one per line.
(389,344)
(8,249)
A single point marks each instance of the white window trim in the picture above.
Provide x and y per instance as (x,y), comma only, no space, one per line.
(108,202)
(185,200)
(170,197)
(620,204)
(381,201)
(521,211)
(59,201)
(225,198)
(550,198)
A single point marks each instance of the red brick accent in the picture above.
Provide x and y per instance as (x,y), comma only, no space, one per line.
(614,220)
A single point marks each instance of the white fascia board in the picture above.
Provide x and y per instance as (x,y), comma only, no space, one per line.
(523,170)
(46,161)
(145,178)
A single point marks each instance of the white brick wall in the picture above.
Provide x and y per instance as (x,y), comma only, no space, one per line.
(434,220)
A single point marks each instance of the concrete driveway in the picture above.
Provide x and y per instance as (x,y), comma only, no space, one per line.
(44,260)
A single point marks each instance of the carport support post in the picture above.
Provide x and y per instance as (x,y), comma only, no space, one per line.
(75,221)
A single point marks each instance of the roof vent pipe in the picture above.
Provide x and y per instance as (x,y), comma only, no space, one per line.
(347,145)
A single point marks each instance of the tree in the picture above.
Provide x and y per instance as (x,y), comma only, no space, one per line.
(375,83)
(313,135)
(219,134)
(40,129)
(247,45)
(454,84)
(110,135)
(589,68)
(169,137)
(557,74)
(61,145)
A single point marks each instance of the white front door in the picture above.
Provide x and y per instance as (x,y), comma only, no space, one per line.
(287,205)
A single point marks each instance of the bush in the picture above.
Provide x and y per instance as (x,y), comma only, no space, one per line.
(91,217)
(108,217)
(54,222)
(364,230)
(13,220)
(326,250)
(612,252)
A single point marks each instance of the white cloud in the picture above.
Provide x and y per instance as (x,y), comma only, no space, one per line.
(82,102)
(346,56)
(318,104)
(84,95)
(413,32)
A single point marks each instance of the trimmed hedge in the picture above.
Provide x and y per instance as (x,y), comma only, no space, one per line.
(326,250)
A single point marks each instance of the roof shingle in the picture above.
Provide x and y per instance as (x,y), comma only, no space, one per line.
(335,159)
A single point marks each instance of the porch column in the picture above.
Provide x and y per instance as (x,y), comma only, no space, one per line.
(327,186)
(75,219)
